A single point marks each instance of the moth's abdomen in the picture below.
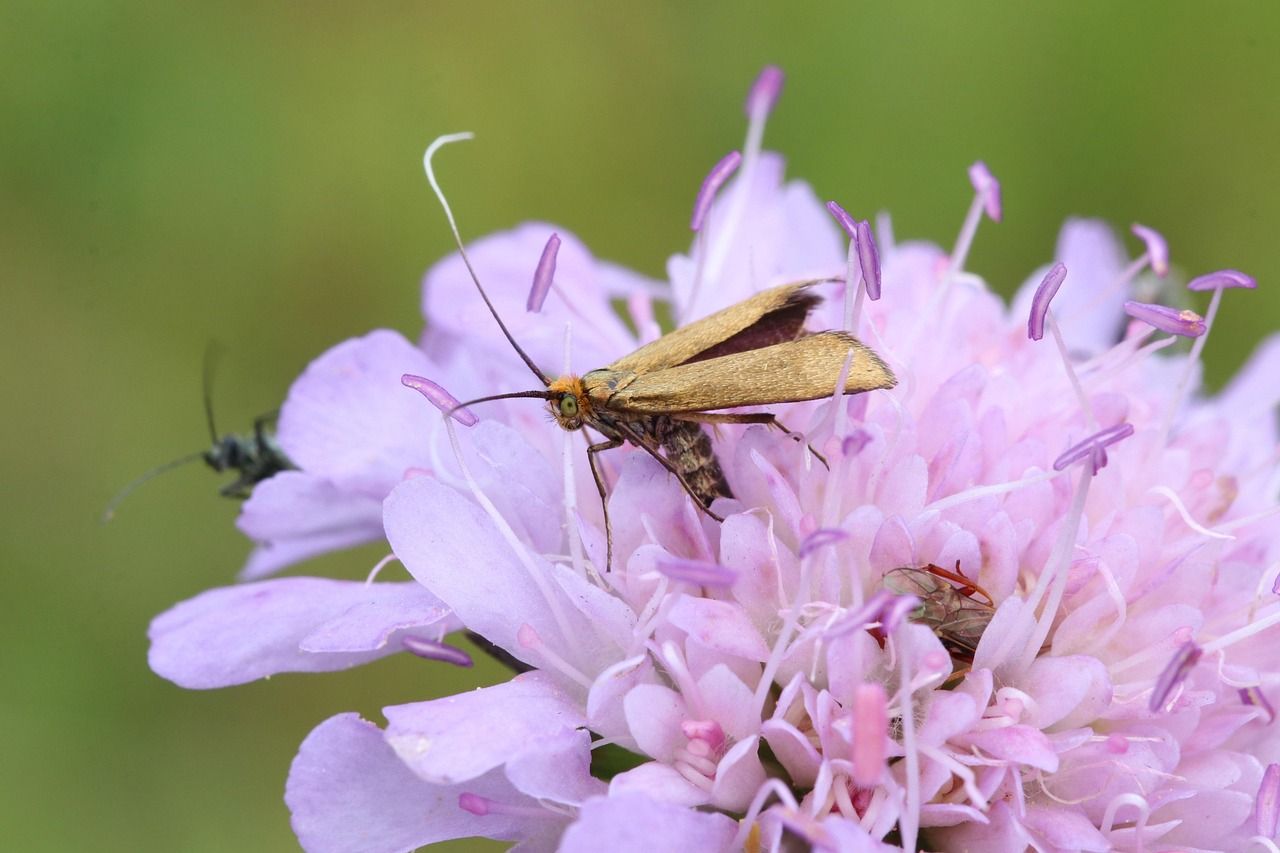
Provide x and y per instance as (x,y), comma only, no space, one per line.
(688,448)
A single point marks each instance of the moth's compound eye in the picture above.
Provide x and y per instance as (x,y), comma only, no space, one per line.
(569,406)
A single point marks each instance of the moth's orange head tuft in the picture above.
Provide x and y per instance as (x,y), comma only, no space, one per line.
(569,402)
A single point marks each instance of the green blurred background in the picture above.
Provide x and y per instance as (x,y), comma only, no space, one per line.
(251,173)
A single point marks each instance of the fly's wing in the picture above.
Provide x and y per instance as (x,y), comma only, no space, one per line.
(803,369)
(770,317)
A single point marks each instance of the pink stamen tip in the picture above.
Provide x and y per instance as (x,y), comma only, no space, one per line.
(543,274)
(764,92)
(821,538)
(871,715)
(696,572)
(986,185)
(847,222)
(1222,279)
(1186,323)
(1093,448)
(1157,248)
(528,637)
(1044,295)
(1267,806)
(431,650)
(440,398)
(1117,745)
(869,260)
(711,184)
(708,731)
(1175,673)
(473,803)
(1255,697)
(898,609)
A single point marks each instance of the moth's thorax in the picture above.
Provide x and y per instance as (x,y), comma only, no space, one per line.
(570,405)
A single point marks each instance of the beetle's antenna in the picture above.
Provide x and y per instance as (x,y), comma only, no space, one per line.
(542,395)
(211,352)
(457,238)
(110,511)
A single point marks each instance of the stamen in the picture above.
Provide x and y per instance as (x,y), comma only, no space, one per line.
(711,184)
(528,636)
(1186,323)
(1094,447)
(909,820)
(871,727)
(821,538)
(483,806)
(431,650)
(988,188)
(696,572)
(1044,295)
(764,93)
(1255,697)
(869,260)
(897,610)
(1120,801)
(853,281)
(865,616)
(1268,803)
(440,398)
(1174,674)
(1168,493)
(1221,280)
(378,567)
(543,274)
(1157,248)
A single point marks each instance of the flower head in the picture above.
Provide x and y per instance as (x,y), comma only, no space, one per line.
(1083,658)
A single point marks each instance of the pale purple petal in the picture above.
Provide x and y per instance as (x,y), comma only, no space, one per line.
(1065,829)
(764,92)
(1157,248)
(349,793)
(460,737)
(738,776)
(1020,744)
(440,398)
(633,823)
(1186,323)
(711,184)
(719,625)
(660,782)
(869,260)
(544,274)
(556,768)
(1267,807)
(654,713)
(1223,279)
(238,634)
(1044,295)
(985,184)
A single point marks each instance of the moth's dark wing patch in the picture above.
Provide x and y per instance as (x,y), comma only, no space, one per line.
(779,326)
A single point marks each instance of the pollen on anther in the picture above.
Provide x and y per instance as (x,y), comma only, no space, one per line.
(1186,323)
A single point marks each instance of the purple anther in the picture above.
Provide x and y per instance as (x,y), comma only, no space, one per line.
(1094,448)
(1157,248)
(986,185)
(821,538)
(696,572)
(711,184)
(543,274)
(474,803)
(440,398)
(1044,295)
(1174,674)
(1255,697)
(854,442)
(859,619)
(869,260)
(764,92)
(1222,279)
(1187,323)
(898,609)
(1267,806)
(847,222)
(431,650)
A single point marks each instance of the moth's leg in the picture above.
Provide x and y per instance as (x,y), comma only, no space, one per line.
(767,418)
(666,463)
(260,427)
(592,450)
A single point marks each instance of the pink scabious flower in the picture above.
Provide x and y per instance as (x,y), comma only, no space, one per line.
(1026,599)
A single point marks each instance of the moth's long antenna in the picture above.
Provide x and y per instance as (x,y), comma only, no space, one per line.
(211,353)
(457,238)
(542,395)
(154,472)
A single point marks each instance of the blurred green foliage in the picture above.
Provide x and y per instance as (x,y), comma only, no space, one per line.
(251,173)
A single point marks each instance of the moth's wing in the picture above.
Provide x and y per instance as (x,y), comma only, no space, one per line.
(772,316)
(803,369)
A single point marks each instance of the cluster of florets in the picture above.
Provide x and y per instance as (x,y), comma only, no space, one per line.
(1026,598)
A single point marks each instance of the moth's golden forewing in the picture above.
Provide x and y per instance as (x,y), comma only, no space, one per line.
(804,369)
(769,317)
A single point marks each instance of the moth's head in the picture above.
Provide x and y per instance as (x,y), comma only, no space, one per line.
(569,403)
